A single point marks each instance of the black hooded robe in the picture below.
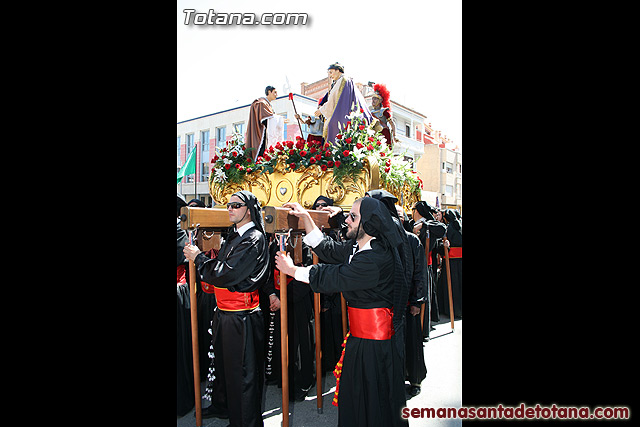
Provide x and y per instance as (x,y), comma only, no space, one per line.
(454,235)
(185,393)
(415,367)
(371,389)
(237,371)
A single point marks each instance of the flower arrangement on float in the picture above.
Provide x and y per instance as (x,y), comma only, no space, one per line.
(231,163)
(356,141)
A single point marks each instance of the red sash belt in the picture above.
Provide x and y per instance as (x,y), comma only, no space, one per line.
(429,258)
(236,301)
(371,323)
(455,252)
(182,275)
(276,279)
(207,288)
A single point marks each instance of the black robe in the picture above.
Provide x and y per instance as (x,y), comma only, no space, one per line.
(372,382)
(300,330)
(185,393)
(236,376)
(415,368)
(455,265)
(436,230)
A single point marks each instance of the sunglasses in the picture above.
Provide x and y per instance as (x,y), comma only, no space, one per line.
(321,205)
(235,205)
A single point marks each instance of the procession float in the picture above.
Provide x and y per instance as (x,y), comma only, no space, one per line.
(299,171)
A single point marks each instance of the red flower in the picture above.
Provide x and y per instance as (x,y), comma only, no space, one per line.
(339,136)
(292,152)
(361,110)
(359,145)
(300,144)
(388,161)
(337,163)
(346,153)
(361,127)
(234,153)
(382,154)
(238,166)
(271,149)
(303,153)
(370,147)
(249,170)
(267,157)
(330,163)
(318,157)
(279,146)
(259,159)
(215,158)
(227,166)
(349,123)
(312,160)
(327,153)
(323,167)
(312,150)
(292,166)
(387,169)
(371,139)
(289,144)
(325,147)
(348,140)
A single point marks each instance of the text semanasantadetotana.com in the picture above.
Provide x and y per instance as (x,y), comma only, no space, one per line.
(522,412)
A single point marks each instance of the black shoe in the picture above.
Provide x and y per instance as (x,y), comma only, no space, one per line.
(413,390)
(213,412)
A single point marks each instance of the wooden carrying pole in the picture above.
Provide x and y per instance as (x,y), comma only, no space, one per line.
(446,263)
(428,296)
(194,339)
(284,339)
(316,309)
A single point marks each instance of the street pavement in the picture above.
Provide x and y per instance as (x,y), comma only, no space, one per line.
(441,388)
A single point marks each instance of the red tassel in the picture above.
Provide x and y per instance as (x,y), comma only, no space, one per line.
(291,96)
(337,372)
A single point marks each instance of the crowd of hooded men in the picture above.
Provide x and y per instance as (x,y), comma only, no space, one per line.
(390,270)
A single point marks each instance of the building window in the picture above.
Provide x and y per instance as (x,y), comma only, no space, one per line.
(407,130)
(221,137)
(190,147)
(204,140)
(447,167)
(189,143)
(448,190)
(178,151)
(238,128)
(204,172)
(284,115)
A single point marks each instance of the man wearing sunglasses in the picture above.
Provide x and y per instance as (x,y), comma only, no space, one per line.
(236,373)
